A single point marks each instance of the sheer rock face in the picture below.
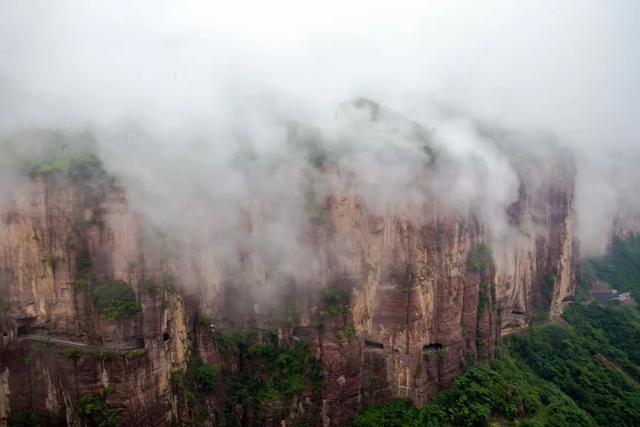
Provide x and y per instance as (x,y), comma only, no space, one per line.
(419,312)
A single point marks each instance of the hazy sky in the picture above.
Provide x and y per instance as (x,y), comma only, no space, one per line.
(572,67)
(569,65)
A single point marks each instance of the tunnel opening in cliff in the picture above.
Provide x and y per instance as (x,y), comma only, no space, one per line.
(25,326)
(415,281)
(373,345)
(432,346)
(301,331)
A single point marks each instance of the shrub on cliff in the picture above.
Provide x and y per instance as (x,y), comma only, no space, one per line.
(480,258)
(335,301)
(85,165)
(114,299)
(95,409)
(206,376)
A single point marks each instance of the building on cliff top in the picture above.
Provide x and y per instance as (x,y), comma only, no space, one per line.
(603,294)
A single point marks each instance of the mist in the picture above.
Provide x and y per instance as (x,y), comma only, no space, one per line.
(200,108)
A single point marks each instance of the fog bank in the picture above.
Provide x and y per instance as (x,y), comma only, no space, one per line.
(173,92)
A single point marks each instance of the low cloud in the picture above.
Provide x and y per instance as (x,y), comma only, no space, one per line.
(209,112)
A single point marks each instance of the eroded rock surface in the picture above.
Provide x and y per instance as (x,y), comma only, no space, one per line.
(414,306)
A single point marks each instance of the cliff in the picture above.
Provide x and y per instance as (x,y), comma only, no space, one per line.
(398,303)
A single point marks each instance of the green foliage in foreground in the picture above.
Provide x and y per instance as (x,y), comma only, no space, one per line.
(114,299)
(592,360)
(397,412)
(502,390)
(582,374)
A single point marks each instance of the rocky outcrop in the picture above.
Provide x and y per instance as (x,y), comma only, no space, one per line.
(398,303)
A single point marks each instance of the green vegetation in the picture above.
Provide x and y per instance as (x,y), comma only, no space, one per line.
(83,270)
(272,375)
(84,165)
(114,299)
(200,378)
(502,390)
(308,142)
(72,353)
(187,383)
(49,167)
(233,341)
(95,409)
(150,287)
(546,286)
(594,361)
(291,315)
(484,299)
(134,354)
(314,209)
(400,413)
(204,320)
(26,419)
(104,354)
(350,332)
(546,289)
(168,281)
(335,301)
(206,377)
(620,267)
(48,152)
(51,261)
(479,258)
(45,344)
(275,374)
(28,361)
(585,373)
(257,373)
